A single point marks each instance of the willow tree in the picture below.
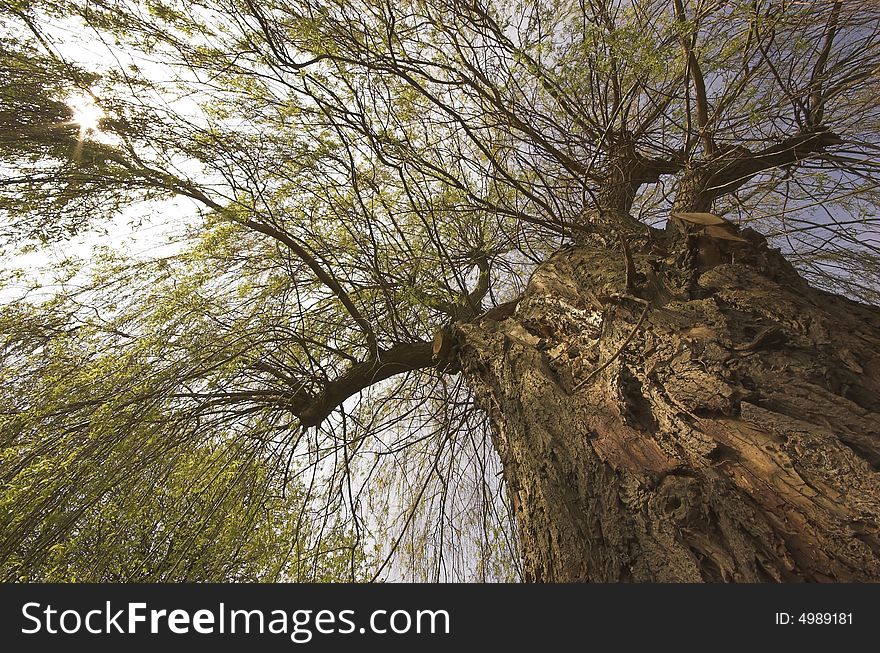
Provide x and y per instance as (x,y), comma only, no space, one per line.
(631,244)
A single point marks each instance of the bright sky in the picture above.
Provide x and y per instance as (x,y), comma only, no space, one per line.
(142,230)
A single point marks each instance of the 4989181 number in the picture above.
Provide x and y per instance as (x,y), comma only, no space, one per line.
(815,618)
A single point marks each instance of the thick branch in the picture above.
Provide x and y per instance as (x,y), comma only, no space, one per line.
(709,180)
(816,99)
(467,304)
(626,171)
(313,408)
(474,299)
(696,75)
(733,174)
(401,358)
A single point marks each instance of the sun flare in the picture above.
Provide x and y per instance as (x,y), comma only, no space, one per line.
(86,114)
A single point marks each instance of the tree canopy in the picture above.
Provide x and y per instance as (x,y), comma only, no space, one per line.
(272,397)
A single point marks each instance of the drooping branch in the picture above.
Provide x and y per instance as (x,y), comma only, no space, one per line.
(326,278)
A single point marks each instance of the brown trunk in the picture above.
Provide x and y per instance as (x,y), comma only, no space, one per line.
(727,430)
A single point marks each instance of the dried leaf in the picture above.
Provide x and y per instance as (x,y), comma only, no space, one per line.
(700,218)
(725,232)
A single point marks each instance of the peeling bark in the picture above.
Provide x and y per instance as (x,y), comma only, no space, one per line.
(719,423)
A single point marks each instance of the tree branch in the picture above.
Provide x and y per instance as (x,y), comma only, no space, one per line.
(696,75)
(816,102)
(734,173)
(326,278)
(401,358)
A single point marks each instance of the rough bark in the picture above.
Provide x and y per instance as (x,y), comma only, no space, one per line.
(705,421)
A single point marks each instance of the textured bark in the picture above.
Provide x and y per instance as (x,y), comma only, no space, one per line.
(718,424)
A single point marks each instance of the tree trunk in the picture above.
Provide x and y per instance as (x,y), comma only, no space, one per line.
(685,421)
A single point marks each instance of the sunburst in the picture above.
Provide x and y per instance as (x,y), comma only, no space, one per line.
(86,114)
